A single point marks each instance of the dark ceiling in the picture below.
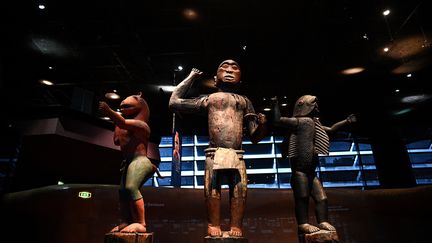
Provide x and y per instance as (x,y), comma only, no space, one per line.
(285,48)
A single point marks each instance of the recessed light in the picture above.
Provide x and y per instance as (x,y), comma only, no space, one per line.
(190,14)
(167,88)
(112,95)
(409,75)
(46,82)
(353,70)
(412,99)
(41,6)
(386,12)
(386,49)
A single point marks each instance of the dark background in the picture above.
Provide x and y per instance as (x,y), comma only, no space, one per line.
(285,48)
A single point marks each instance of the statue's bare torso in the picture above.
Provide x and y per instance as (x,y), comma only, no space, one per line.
(225,119)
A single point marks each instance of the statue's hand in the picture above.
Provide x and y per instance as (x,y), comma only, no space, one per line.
(195,72)
(274,100)
(352,118)
(261,118)
(103,108)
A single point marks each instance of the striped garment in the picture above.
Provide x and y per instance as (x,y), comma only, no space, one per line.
(292,147)
(321,140)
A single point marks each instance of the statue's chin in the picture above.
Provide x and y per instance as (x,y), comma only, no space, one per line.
(228,86)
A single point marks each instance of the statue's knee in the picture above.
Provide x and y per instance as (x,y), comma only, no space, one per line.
(322,200)
(131,193)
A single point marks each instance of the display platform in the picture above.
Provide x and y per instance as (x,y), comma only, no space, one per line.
(225,238)
(85,213)
(118,237)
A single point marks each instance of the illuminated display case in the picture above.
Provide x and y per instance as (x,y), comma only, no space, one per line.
(420,154)
(349,164)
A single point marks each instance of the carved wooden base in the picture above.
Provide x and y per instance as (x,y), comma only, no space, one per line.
(225,238)
(322,236)
(118,237)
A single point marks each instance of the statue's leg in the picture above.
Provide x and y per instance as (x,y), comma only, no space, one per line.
(125,216)
(212,193)
(321,205)
(139,170)
(300,184)
(238,192)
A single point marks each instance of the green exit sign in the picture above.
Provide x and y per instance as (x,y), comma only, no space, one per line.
(84,195)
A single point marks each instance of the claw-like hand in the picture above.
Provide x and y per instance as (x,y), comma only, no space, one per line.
(103,108)
(261,118)
(351,118)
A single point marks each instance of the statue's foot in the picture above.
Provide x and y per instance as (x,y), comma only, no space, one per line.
(214,231)
(235,231)
(134,228)
(119,227)
(326,226)
(307,228)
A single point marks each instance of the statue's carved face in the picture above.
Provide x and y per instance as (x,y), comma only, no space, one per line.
(228,72)
(306,105)
(133,106)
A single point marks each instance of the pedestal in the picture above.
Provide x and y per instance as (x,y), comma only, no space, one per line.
(118,237)
(322,236)
(225,238)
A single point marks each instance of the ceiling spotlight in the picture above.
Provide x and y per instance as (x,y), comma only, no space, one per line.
(413,99)
(178,68)
(284,104)
(365,37)
(386,49)
(267,109)
(409,75)
(46,82)
(41,6)
(386,12)
(397,90)
(401,112)
(353,70)
(244,48)
(112,95)
(190,14)
(167,88)
(105,118)
(50,68)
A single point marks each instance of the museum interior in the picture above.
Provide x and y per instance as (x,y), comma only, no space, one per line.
(59,165)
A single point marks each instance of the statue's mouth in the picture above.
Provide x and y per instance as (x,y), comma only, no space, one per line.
(228,78)
(126,106)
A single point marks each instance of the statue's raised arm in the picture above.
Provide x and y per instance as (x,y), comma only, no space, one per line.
(178,102)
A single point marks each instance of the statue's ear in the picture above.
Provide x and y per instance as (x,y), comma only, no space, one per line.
(139,94)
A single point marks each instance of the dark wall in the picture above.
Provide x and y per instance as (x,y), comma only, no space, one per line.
(46,159)
(57,214)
